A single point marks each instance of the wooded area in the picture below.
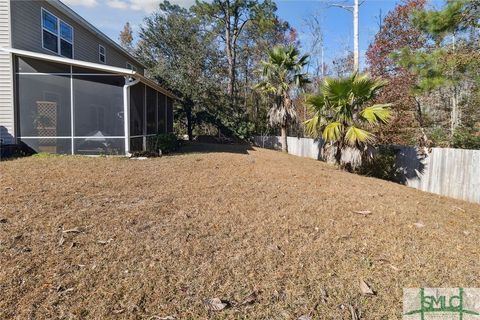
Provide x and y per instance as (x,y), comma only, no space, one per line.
(214,53)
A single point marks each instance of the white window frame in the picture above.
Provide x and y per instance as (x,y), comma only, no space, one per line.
(58,35)
(100,54)
(130,66)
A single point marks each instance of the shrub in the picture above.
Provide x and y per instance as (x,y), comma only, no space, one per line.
(382,165)
(166,142)
(466,139)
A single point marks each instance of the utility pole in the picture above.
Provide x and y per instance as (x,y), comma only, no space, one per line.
(354,10)
(355,36)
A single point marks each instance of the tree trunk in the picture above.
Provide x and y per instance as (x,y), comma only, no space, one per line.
(230,51)
(284,138)
(231,76)
(189,126)
(338,153)
(188,105)
(455,114)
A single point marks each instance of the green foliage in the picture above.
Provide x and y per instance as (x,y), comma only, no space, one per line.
(166,142)
(185,49)
(282,73)
(42,155)
(381,166)
(339,110)
(430,67)
(182,54)
(450,19)
(439,137)
(466,138)
(447,70)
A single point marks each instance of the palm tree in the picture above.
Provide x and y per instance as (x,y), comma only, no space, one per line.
(282,75)
(341,115)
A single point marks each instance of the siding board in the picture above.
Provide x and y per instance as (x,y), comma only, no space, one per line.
(27,35)
(6,82)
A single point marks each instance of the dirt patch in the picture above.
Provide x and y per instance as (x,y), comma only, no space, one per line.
(245,233)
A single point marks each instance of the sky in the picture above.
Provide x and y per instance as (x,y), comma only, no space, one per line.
(110,16)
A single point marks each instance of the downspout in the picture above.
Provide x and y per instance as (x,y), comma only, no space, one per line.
(126,111)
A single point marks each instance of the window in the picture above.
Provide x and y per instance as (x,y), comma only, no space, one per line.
(102,54)
(57,35)
(131,67)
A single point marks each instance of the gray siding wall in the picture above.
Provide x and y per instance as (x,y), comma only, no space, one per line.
(6,86)
(27,35)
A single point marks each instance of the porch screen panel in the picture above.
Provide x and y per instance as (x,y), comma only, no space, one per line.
(169,115)
(98,106)
(151,111)
(136,144)
(99,146)
(57,145)
(137,95)
(161,113)
(43,103)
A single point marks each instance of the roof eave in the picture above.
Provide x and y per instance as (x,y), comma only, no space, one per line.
(91,65)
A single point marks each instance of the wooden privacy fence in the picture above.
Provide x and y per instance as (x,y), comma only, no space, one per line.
(449,172)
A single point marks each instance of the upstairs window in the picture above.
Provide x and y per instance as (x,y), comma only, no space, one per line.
(57,35)
(102,54)
(131,67)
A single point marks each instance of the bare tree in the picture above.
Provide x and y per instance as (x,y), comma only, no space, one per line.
(314,29)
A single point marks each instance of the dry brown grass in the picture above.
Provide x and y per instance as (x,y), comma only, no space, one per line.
(155,238)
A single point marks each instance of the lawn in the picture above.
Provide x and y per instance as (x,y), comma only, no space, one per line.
(272,235)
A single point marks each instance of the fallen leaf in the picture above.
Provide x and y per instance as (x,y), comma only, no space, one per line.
(363,213)
(394,268)
(323,295)
(276,248)
(215,304)
(419,225)
(104,242)
(251,298)
(365,289)
(353,313)
(74,230)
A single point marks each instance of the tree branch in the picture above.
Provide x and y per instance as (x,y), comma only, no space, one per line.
(342,6)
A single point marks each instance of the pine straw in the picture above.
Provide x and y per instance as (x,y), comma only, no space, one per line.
(112,238)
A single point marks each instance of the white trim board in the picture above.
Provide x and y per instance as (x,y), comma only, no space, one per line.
(91,65)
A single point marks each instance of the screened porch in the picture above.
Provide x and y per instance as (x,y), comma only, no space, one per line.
(74,108)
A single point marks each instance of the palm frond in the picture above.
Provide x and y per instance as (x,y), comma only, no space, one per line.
(332,131)
(364,87)
(337,89)
(355,136)
(315,102)
(312,125)
(377,113)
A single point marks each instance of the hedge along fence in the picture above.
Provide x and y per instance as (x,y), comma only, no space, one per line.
(449,172)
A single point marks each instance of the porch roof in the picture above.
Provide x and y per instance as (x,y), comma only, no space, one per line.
(96,66)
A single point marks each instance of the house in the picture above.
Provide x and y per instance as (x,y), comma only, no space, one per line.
(65,87)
